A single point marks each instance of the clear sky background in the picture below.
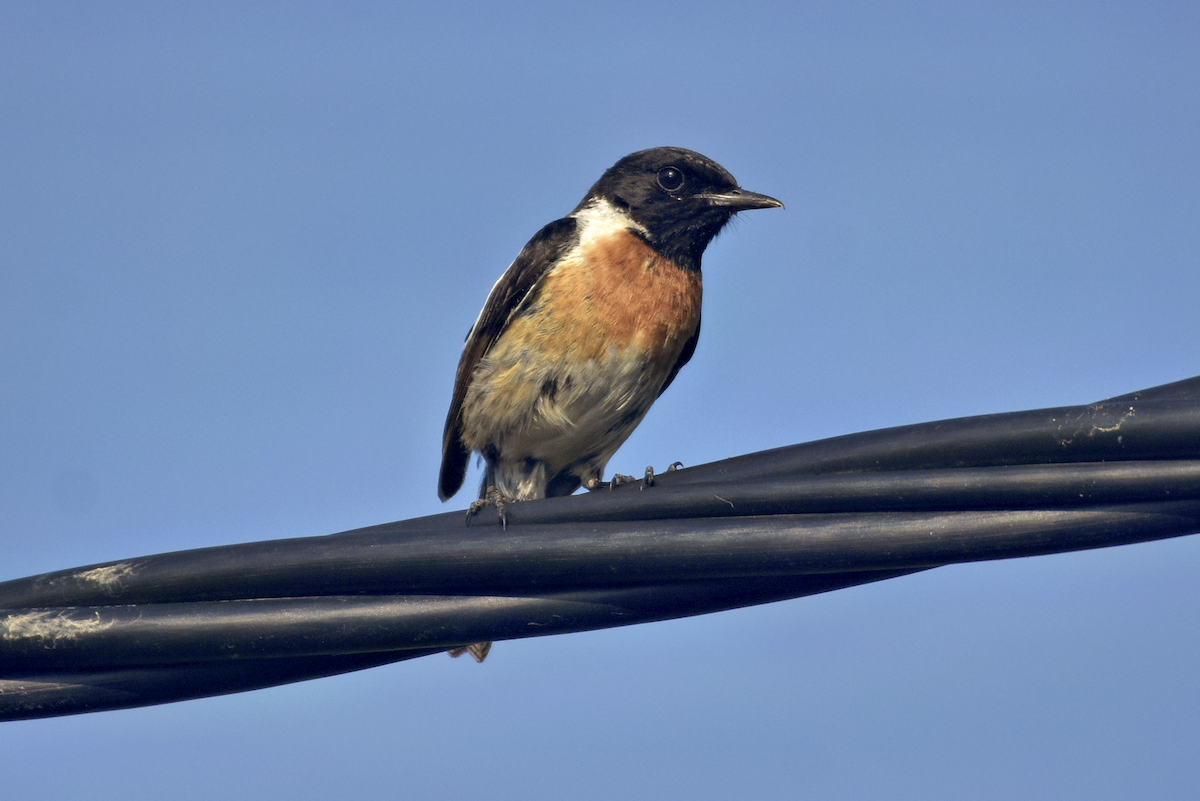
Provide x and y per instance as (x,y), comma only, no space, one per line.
(240,246)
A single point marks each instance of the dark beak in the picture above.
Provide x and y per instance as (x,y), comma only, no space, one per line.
(741,200)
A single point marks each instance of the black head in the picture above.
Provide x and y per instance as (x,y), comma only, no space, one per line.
(680,198)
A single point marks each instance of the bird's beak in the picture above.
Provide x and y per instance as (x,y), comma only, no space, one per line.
(741,200)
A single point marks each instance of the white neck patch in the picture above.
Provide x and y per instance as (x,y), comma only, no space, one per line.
(601,218)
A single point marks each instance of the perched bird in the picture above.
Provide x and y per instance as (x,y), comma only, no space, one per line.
(586,329)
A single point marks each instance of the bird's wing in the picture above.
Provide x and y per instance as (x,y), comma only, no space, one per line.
(518,281)
(685,356)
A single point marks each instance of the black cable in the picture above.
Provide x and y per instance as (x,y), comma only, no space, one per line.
(764,527)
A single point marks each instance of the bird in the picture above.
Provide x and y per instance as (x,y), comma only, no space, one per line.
(586,329)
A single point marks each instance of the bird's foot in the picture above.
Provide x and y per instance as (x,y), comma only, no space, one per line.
(478,650)
(595,484)
(618,479)
(491,497)
(648,481)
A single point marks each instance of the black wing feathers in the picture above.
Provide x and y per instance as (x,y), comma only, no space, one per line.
(514,286)
(685,356)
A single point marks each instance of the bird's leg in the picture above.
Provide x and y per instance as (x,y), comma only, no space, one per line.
(491,497)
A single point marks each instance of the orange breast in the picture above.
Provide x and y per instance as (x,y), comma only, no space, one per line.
(575,372)
(620,294)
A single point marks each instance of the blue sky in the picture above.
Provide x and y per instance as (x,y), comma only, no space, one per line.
(242,246)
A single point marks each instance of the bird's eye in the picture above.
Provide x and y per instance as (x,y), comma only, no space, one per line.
(670,178)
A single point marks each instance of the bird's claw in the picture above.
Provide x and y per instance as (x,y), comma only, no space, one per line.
(648,481)
(596,484)
(618,479)
(491,497)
